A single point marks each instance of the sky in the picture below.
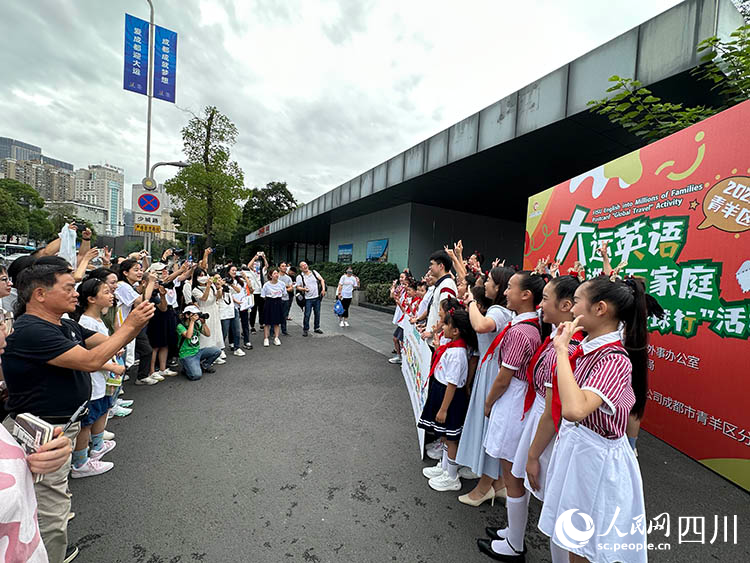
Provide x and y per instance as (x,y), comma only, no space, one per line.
(320,91)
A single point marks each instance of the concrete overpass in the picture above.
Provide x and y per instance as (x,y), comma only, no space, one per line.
(528,141)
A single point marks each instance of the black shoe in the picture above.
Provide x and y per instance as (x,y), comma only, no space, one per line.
(286,334)
(304,333)
(485,546)
(492,533)
(248,346)
(253,331)
(209,369)
(318,331)
(71,554)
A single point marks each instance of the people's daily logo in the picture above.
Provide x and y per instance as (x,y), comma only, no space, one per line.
(567,532)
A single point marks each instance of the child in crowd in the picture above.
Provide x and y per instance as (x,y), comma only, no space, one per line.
(94,298)
(398,293)
(445,409)
(272,294)
(194,359)
(598,387)
(504,404)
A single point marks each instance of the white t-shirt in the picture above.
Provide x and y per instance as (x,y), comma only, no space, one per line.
(226,310)
(171,297)
(424,303)
(126,296)
(287,281)
(98,378)
(347,283)
(453,367)
(311,283)
(443,290)
(273,290)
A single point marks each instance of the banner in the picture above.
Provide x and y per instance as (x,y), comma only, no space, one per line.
(377,250)
(136,55)
(678,212)
(345,252)
(415,367)
(165,63)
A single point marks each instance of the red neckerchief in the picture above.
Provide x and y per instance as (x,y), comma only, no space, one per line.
(530,392)
(458,343)
(573,359)
(499,338)
(404,309)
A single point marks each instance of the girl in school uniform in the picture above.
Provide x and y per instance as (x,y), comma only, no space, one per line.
(504,405)
(535,445)
(471,452)
(593,470)
(445,408)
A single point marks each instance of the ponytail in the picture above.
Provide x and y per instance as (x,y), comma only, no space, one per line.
(89,288)
(458,317)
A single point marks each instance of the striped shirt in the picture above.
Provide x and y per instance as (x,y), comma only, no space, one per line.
(608,373)
(543,369)
(519,344)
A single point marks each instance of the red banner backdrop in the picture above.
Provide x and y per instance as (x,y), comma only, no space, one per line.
(678,213)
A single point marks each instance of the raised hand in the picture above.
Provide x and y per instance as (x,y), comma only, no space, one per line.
(565,333)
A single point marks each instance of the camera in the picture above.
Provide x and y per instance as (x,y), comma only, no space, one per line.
(178,251)
(201,316)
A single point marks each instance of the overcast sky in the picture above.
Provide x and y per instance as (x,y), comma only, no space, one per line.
(320,90)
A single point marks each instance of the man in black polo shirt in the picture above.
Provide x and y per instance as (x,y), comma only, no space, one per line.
(46,366)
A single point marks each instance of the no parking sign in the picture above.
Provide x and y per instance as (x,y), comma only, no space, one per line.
(148,203)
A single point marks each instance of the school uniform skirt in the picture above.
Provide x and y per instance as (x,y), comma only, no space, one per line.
(272,311)
(595,476)
(471,451)
(505,423)
(454,420)
(158,328)
(524,443)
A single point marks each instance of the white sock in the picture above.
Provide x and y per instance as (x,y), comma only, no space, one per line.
(518,515)
(502,547)
(559,555)
(444,460)
(452,468)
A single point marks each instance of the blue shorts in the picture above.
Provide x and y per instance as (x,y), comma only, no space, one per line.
(97,408)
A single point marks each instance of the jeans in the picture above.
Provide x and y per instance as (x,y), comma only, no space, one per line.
(245,322)
(285,306)
(193,365)
(231,328)
(311,305)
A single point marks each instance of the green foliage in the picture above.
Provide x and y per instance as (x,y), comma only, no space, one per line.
(379,294)
(67,214)
(207,191)
(12,217)
(21,211)
(367,272)
(634,107)
(40,226)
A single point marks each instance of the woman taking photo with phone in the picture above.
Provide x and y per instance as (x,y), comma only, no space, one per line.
(206,292)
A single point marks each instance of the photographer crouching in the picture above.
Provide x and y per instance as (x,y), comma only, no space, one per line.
(194,359)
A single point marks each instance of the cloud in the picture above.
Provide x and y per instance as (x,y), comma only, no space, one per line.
(320,90)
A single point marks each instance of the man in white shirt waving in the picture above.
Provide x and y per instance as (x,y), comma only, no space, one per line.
(307,282)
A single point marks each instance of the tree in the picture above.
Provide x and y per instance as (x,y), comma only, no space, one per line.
(264,206)
(67,214)
(40,226)
(634,107)
(12,216)
(208,189)
(21,211)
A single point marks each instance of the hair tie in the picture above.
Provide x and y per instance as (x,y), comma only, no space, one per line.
(451,311)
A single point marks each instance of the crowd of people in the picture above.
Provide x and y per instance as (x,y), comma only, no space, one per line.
(76,323)
(537,386)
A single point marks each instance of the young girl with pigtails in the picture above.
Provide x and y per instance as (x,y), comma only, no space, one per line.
(504,405)
(445,408)
(593,470)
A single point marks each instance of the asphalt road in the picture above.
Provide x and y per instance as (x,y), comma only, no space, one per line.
(308,452)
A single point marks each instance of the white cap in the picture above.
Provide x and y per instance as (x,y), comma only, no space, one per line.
(191,309)
(156,267)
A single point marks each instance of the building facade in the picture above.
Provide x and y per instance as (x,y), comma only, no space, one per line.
(52,182)
(97,216)
(102,185)
(18,150)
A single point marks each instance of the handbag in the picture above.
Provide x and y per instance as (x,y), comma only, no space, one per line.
(338,308)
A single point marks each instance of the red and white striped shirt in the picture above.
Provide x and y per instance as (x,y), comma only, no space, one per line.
(547,360)
(608,373)
(519,344)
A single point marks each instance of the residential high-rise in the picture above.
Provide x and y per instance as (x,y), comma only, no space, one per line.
(102,185)
(52,182)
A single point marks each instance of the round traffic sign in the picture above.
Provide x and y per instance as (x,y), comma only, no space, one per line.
(148,202)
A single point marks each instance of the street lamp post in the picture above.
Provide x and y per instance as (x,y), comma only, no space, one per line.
(150,87)
(150,176)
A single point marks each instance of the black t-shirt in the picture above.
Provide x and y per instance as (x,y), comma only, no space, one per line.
(35,386)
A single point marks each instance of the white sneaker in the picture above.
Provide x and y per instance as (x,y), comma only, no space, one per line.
(433,471)
(395,360)
(238,352)
(90,468)
(223,355)
(126,377)
(157,376)
(118,411)
(435,453)
(147,381)
(123,403)
(276,342)
(265,342)
(109,445)
(467,473)
(168,373)
(341,324)
(109,435)
(220,362)
(445,483)
(346,323)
